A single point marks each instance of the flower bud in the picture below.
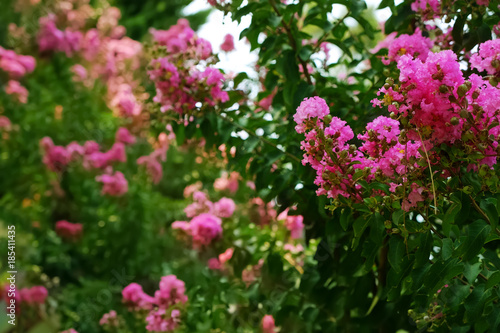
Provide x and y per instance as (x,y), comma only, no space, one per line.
(475,94)
(454,121)
(464,113)
(462,90)
(443,88)
(493,81)
(495,63)
(328,119)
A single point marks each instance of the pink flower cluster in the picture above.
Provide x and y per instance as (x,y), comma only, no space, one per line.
(429,9)
(152,162)
(294,223)
(179,80)
(218,263)
(414,45)
(251,273)
(104,51)
(227,182)
(268,324)
(114,185)
(432,102)
(109,319)
(261,212)
(203,229)
(162,310)
(30,296)
(228,44)
(223,208)
(68,230)
(488,57)
(56,158)
(16,66)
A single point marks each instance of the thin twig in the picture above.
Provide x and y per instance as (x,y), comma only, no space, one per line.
(430,170)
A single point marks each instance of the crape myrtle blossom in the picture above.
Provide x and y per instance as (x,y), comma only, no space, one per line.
(182,73)
(268,325)
(414,45)
(16,66)
(228,44)
(432,105)
(113,184)
(68,230)
(488,57)
(203,229)
(163,314)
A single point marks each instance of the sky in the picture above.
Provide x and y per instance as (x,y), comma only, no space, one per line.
(241,59)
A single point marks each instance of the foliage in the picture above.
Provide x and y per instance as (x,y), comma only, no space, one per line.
(401,220)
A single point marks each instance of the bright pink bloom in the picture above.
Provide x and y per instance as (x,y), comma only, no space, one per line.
(225,207)
(415,45)
(205,228)
(268,325)
(226,256)
(488,57)
(314,107)
(68,230)
(16,89)
(123,135)
(113,185)
(135,298)
(295,224)
(214,264)
(227,182)
(109,319)
(228,44)
(172,291)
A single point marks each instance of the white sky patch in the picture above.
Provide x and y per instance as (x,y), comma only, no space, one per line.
(241,59)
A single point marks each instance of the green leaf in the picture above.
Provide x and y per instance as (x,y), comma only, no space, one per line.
(440,272)
(447,249)
(474,304)
(424,248)
(489,206)
(473,244)
(359,227)
(472,271)
(493,280)
(305,52)
(397,216)
(345,218)
(396,252)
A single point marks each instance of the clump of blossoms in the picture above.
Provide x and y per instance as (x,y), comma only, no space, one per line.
(68,230)
(181,71)
(97,41)
(414,45)
(431,107)
(162,313)
(15,66)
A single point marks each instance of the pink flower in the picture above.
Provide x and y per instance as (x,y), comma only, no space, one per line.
(225,207)
(205,228)
(71,330)
(80,73)
(214,264)
(268,324)
(295,224)
(135,298)
(123,135)
(162,321)
(68,230)
(314,107)
(228,44)
(5,123)
(226,256)
(227,182)
(109,319)
(488,57)
(56,157)
(33,295)
(113,185)
(415,45)
(16,89)
(171,292)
